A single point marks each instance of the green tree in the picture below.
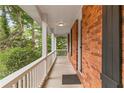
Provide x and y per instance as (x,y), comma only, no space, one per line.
(4,21)
(23,43)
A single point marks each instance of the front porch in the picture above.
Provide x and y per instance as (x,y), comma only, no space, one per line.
(40,73)
(94,48)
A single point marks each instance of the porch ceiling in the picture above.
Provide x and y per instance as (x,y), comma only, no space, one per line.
(53,15)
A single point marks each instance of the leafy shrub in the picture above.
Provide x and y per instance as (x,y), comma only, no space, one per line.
(3,69)
(20,57)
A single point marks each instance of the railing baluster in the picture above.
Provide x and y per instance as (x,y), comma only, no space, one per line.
(38,72)
(30,79)
(35,77)
(27,80)
(19,83)
(24,82)
(41,72)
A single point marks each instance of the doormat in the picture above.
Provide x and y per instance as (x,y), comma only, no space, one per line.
(70,79)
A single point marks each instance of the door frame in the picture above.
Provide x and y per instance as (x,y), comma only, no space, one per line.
(80,45)
(76,23)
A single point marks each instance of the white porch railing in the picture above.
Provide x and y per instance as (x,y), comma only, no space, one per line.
(30,76)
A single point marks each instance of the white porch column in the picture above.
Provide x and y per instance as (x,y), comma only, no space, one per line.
(44,39)
(44,46)
(53,41)
(55,45)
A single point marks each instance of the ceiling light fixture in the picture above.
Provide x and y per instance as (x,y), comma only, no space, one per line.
(61,24)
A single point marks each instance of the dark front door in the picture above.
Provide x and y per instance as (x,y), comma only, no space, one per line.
(111,51)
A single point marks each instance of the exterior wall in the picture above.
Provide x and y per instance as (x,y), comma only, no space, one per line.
(122,10)
(91,45)
(74,44)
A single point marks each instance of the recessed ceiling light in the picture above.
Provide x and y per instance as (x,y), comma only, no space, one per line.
(61,24)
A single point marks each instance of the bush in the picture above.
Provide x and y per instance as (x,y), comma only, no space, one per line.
(20,57)
(3,69)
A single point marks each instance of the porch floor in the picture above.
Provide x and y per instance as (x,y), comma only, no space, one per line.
(61,67)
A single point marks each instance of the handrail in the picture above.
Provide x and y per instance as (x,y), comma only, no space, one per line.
(20,73)
(51,53)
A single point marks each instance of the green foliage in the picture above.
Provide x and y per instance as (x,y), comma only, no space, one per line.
(19,42)
(61,42)
(20,57)
(61,46)
(4,21)
(18,31)
(3,69)
(2,35)
(49,42)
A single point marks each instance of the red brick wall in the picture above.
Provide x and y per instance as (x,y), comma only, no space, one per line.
(92,45)
(122,44)
(74,44)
